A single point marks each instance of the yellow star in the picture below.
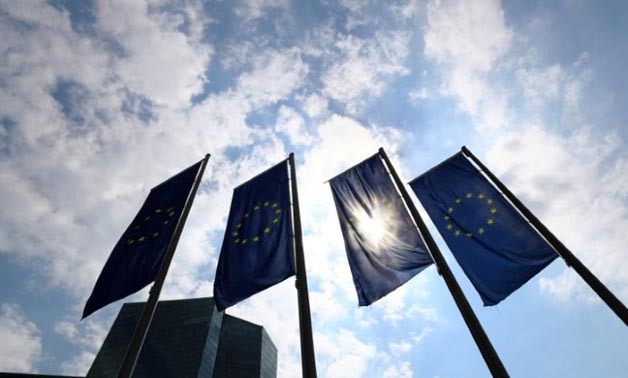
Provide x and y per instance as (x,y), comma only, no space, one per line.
(458,200)
(277,211)
(457,233)
(469,195)
(481,196)
(157,211)
(239,225)
(274,204)
(146,219)
(246,215)
(137,227)
(256,207)
(276,220)
(266,203)
(165,222)
(237,241)
(235,233)
(490,221)
(481,230)
(170,209)
(131,241)
(469,234)
(489,201)
(170,214)
(267,230)
(493,210)
(141,239)
(450,226)
(243,241)
(155,234)
(450,209)
(256,239)
(446,217)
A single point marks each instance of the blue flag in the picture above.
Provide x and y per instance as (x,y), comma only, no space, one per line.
(257,248)
(136,258)
(383,246)
(495,246)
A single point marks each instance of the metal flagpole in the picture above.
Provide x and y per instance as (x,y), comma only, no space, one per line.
(489,354)
(139,335)
(308,363)
(572,261)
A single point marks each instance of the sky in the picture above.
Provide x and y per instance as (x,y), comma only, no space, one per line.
(102,100)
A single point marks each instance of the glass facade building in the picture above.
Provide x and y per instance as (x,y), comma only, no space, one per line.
(188,338)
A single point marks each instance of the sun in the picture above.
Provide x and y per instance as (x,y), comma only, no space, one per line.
(371,226)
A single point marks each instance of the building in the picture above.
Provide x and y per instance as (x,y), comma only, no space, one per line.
(188,338)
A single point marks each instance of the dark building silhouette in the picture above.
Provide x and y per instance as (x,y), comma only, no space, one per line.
(245,350)
(188,338)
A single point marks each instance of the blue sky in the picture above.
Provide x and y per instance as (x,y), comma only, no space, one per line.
(101,100)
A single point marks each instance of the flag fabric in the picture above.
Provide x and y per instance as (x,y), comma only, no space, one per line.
(136,258)
(257,250)
(383,245)
(495,246)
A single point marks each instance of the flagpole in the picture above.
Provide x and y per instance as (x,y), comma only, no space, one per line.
(308,363)
(570,259)
(489,354)
(139,335)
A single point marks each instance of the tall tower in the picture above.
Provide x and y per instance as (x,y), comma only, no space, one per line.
(188,338)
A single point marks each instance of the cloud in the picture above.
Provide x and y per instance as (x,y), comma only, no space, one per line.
(568,183)
(157,60)
(471,35)
(21,347)
(541,85)
(362,68)
(348,355)
(275,74)
(78,365)
(251,10)
(88,333)
(401,347)
(468,38)
(403,370)
(292,125)
(314,105)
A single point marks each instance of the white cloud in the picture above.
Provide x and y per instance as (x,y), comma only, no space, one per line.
(404,370)
(292,125)
(88,333)
(251,10)
(469,34)
(468,38)
(408,10)
(275,75)
(541,85)
(401,347)
(563,180)
(419,94)
(314,105)
(349,355)
(422,335)
(158,60)
(356,13)
(78,365)
(20,349)
(364,66)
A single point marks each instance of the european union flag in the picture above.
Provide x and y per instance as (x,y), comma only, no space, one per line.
(383,246)
(495,246)
(257,248)
(136,258)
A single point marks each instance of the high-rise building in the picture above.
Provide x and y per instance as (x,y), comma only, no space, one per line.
(188,338)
